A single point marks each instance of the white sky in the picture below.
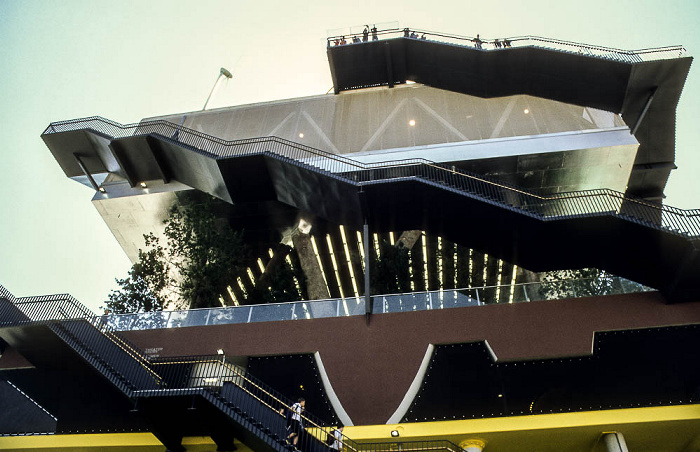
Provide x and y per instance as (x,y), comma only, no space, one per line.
(126,60)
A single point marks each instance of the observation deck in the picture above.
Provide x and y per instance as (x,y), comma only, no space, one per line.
(644,86)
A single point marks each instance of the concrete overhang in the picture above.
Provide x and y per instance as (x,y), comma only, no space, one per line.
(644,90)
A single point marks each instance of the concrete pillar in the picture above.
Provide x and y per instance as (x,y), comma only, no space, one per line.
(472,445)
(615,442)
(315,284)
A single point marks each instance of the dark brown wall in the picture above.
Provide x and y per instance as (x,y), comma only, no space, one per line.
(372,366)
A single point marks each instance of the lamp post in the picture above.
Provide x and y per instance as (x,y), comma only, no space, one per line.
(223,72)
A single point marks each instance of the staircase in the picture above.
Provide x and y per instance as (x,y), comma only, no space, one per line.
(646,242)
(254,411)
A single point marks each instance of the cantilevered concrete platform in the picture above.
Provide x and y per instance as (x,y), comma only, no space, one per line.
(644,86)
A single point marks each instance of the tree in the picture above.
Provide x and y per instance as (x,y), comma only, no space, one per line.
(202,257)
(205,252)
(389,272)
(583,282)
(145,287)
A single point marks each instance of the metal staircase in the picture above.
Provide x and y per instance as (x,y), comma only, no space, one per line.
(253,411)
(647,242)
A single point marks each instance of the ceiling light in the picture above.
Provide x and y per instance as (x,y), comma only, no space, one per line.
(102,190)
(395,433)
(220,352)
(412,122)
(143,185)
(301,135)
(526,111)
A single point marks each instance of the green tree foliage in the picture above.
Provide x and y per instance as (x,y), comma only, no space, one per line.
(389,272)
(145,287)
(585,282)
(204,253)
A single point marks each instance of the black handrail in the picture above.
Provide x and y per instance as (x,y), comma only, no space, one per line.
(212,372)
(62,310)
(681,222)
(610,53)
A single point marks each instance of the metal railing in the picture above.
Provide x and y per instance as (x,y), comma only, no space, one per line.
(231,388)
(73,321)
(411,446)
(213,374)
(499,44)
(381,304)
(552,207)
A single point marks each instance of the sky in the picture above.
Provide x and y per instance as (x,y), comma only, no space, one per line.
(127,60)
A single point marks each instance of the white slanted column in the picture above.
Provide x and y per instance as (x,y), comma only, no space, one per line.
(615,442)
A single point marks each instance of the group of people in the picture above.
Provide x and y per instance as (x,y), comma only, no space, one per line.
(407,33)
(365,36)
(295,427)
(478,43)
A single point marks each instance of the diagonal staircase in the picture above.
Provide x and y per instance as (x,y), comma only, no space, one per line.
(229,397)
(647,242)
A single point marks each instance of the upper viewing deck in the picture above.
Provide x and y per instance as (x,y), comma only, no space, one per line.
(644,86)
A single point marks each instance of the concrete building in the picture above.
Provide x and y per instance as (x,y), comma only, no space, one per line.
(486,164)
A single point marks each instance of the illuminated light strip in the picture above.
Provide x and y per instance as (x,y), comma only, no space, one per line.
(456,266)
(439,244)
(391,238)
(471,266)
(272,253)
(296,281)
(250,275)
(512,283)
(222,302)
(410,270)
(320,265)
(335,265)
(376,245)
(260,264)
(425,259)
(361,247)
(498,280)
(232,295)
(240,284)
(486,267)
(352,272)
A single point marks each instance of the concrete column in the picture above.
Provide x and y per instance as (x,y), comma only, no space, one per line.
(615,442)
(315,284)
(472,445)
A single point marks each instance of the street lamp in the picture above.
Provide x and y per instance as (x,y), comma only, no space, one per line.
(223,72)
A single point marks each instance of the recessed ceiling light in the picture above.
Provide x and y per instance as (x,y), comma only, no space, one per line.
(102,190)
(143,185)
(301,135)
(526,111)
(220,352)
(412,123)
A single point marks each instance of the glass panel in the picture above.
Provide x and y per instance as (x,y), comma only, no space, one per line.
(323,309)
(237,314)
(188,318)
(150,320)
(272,312)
